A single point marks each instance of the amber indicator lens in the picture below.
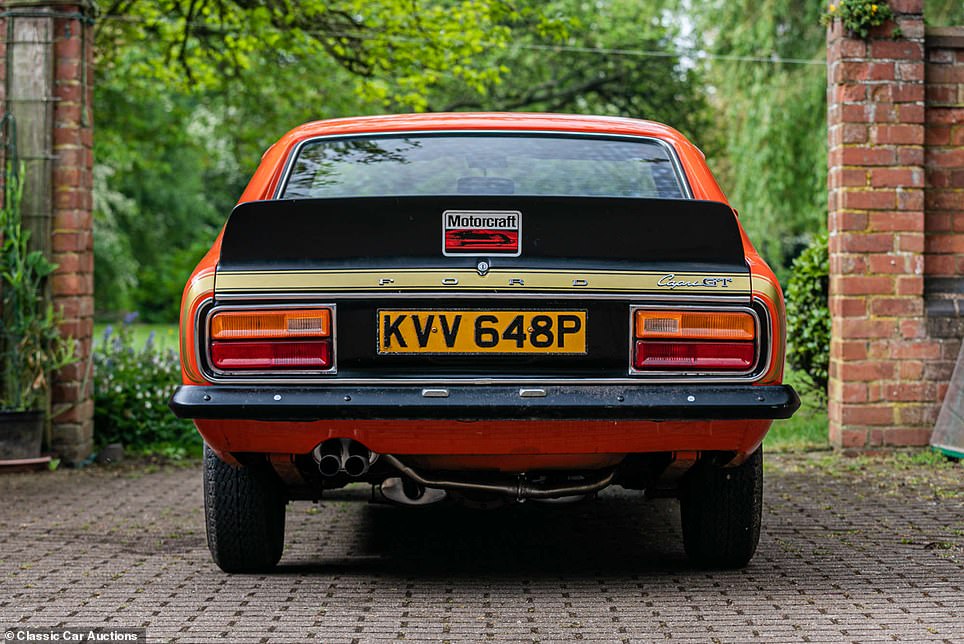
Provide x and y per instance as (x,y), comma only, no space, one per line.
(694,325)
(281,324)
(311,354)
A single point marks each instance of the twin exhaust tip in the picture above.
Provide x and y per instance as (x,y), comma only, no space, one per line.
(343,455)
(351,458)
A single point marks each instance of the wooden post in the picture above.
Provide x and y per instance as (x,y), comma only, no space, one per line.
(29,99)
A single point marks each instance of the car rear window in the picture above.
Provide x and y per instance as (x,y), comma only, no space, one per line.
(477,164)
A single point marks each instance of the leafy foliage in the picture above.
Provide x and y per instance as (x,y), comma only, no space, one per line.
(171,162)
(858,16)
(771,116)
(173,156)
(944,13)
(395,49)
(131,388)
(808,314)
(191,92)
(158,188)
(31,345)
(618,58)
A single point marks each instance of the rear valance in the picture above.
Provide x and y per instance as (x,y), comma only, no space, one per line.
(555,232)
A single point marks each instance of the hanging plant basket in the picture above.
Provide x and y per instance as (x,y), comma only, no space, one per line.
(859,17)
(21,434)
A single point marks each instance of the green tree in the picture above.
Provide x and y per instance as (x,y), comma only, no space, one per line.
(157,191)
(617,58)
(191,92)
(944,13)
(771,116)
(179,137)
(395,49)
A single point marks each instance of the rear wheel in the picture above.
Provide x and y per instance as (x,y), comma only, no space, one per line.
(244,512)
(721,510)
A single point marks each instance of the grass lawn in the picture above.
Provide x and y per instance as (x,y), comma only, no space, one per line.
(165,335)
(807,429)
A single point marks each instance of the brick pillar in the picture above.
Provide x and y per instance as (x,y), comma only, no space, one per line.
(48,74)
(944,203)
(878,393)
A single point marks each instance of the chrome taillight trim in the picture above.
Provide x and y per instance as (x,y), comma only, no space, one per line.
(214,374)
(754,373)
(658,302)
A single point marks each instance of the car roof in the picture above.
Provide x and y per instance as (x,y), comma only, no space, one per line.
(485,121)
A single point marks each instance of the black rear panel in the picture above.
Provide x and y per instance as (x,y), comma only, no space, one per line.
(556,231)
(607,356)
(607,336)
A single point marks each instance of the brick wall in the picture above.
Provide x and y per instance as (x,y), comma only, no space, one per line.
(72,238)
(67,124)
(888,369)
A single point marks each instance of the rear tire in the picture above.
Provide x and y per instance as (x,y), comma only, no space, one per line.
(721,510)
(244,512)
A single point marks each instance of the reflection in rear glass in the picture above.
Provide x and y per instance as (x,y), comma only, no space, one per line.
(470,164)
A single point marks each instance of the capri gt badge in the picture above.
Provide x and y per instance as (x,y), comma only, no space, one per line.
(670,281)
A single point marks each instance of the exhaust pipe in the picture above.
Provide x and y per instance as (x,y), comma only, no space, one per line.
(357,461)
(522,489)
(328,457)
(342,455)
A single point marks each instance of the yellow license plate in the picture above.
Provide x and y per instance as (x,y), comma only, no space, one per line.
(480,332)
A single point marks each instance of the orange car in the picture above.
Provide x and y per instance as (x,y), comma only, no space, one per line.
(482,308)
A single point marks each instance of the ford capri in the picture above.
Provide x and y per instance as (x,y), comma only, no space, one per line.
(482,309)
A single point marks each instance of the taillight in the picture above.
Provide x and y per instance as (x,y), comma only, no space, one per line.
(268,340)
(290,323)
(693,340)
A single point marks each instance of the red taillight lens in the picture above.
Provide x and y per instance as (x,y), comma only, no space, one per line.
(685,356)
(314,355)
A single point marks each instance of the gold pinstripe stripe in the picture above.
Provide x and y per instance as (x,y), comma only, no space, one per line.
(467,279)
(201,285)
(769,289)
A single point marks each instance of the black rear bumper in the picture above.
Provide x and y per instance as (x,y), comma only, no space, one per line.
(486,402)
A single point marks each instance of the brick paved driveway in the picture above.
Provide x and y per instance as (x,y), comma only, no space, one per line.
(851,551)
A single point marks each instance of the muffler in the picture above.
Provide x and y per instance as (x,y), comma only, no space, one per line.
(407,492)
(342,455)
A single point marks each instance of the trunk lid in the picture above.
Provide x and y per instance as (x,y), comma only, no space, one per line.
(577,244)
